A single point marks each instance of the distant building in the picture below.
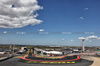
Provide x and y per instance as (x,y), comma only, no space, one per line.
(48,53)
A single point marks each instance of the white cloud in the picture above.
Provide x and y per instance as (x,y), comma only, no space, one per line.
(89,37)
(41,30)
(18,13)
(62,39)
(86,8)
(81,38)
(5,32)
(82,18)
(51,41)
(90,40)
(20,32)
(72,40)
(92,37)
(98,37)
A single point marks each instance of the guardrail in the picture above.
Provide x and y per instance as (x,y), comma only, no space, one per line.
(5,56)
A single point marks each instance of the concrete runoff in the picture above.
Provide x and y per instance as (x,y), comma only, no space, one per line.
(87,58)
(96,61)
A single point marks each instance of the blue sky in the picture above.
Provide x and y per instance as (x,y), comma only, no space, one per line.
(72,17)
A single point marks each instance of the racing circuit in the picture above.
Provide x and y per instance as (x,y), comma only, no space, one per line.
(30,58)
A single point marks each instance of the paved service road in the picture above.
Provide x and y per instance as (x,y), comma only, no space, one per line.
(15,62)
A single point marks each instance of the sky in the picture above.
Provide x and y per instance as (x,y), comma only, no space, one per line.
(50,22)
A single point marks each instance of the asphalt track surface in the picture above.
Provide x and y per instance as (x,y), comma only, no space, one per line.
(19,62)
(16,62)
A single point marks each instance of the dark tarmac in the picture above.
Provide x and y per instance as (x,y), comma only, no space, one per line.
(20,62)
(16,62)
